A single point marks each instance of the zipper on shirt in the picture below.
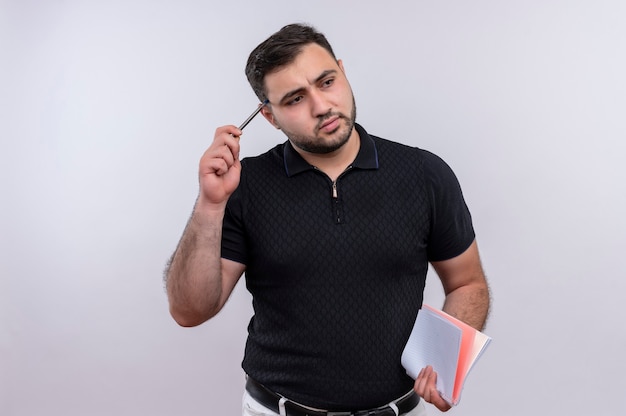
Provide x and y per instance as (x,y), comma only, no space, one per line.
(337,205)
(337,208)
(335,193)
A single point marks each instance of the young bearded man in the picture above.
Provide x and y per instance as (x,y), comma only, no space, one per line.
(334,230)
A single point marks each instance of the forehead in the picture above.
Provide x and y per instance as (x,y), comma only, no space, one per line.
(302,71)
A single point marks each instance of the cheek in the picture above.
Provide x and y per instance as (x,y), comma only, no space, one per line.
(348,100)
(292,121)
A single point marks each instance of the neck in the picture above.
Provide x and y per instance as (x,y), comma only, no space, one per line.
(334,163)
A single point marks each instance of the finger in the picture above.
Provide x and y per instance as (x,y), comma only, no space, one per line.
(229,136)
(421,381)
(224,147)
(430,388)
(228,130)
(227,140)
(434,395)
(216,161)
(439,402)
(426,386)
(215,166)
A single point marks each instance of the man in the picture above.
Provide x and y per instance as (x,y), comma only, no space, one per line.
(334,230)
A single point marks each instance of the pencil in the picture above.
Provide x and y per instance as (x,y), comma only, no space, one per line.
(254,113)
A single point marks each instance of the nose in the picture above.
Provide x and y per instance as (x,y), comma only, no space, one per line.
(319,104)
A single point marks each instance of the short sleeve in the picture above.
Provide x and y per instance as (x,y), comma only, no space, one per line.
(234,245)
(451,231)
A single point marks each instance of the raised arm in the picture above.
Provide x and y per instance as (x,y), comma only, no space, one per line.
(198,280)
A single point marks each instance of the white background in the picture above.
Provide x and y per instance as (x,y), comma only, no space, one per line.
(107,106)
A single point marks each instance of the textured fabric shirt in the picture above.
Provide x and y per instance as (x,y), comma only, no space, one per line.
(337,269)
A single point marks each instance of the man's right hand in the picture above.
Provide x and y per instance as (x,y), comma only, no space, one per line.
(220,168)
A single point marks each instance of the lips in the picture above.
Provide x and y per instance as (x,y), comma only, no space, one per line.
(330,124)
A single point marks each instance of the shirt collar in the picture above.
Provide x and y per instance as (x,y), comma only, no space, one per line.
(367,158)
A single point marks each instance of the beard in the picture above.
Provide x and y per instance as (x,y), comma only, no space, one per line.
(316,144)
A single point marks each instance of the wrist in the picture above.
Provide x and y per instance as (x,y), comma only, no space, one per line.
(209,210)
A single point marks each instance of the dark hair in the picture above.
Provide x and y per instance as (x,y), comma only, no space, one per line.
(279,50)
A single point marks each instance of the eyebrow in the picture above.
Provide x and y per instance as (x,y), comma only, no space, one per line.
(297,91)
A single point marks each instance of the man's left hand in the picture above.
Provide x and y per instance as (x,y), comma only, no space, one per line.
(426,387)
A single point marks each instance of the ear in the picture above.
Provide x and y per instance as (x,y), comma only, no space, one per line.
(269,116)
(340,63)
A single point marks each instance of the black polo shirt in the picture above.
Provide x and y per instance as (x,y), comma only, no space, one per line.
(337,270)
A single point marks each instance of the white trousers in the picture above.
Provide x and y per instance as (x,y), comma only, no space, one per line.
(253,408)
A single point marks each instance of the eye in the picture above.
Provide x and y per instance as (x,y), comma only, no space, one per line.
(328,82)
(295,100)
